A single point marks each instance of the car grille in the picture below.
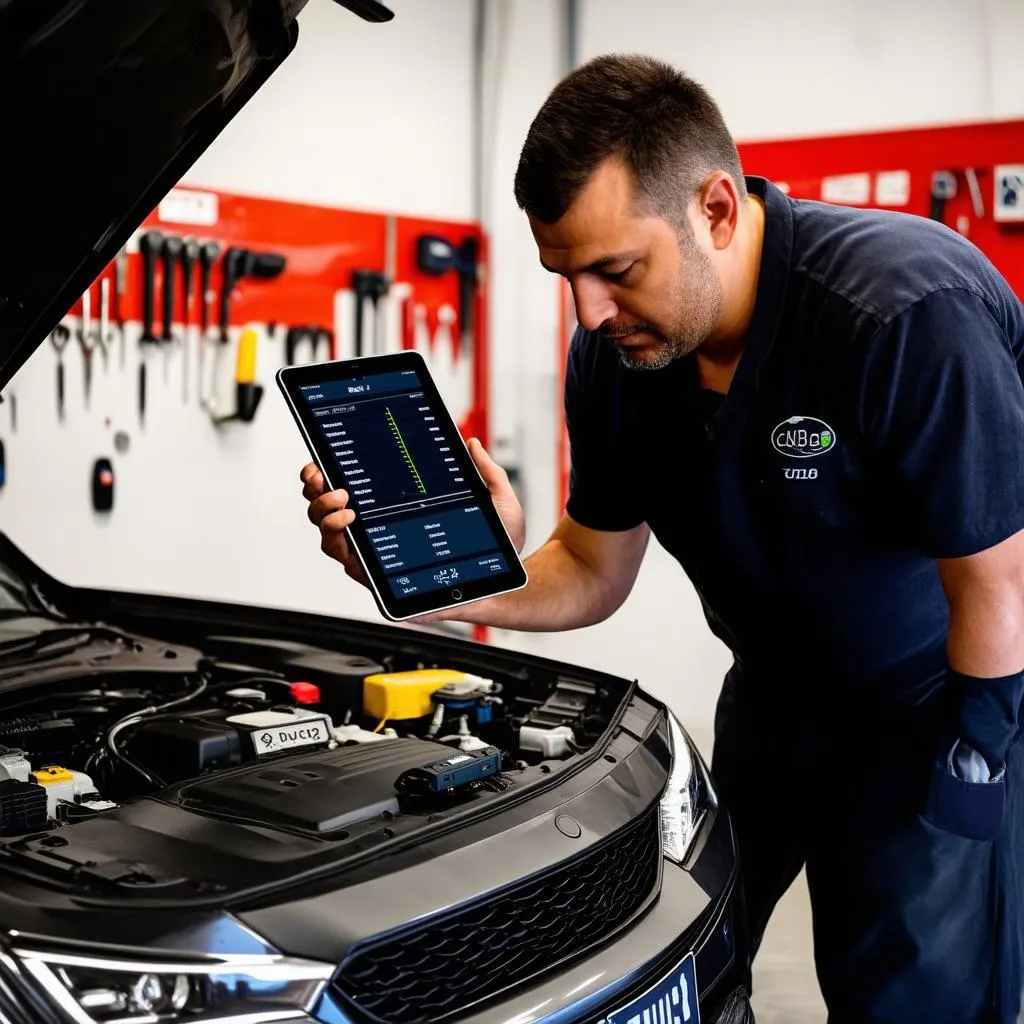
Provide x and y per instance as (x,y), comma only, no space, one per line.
(450,964)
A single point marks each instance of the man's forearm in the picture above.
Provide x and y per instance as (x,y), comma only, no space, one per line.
(986,632)
(562,593)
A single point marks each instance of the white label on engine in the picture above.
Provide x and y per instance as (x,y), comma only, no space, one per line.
(284,737)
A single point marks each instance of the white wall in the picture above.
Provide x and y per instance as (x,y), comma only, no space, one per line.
(360,116)
(524,300)
(802,67)
(379,117)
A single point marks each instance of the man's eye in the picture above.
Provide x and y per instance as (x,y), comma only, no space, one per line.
(619,276)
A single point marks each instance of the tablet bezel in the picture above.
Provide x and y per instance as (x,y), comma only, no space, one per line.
(291,378)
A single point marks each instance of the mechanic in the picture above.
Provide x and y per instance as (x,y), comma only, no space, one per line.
(819,412)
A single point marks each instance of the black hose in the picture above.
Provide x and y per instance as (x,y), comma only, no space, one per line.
(138,716)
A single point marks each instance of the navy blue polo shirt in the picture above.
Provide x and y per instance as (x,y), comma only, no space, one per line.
(875,423)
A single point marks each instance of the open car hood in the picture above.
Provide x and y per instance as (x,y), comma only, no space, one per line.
(106,105)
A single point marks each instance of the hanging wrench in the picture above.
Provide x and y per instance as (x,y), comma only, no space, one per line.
(171,251)
(104,335)
(120,280)
(189,259)
(59,339)
(88,345)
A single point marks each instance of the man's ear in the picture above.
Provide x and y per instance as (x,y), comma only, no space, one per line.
(719,208)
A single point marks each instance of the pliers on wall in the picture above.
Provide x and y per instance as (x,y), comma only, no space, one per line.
(308,339)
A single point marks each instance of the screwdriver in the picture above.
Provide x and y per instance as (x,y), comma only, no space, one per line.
(189,258)
(120,280)
(59,339)
(86,342)
(208,255)
(171,251)
(103,336)
(149,245)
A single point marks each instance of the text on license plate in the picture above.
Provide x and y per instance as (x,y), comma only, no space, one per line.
(283,737)
(673,1000)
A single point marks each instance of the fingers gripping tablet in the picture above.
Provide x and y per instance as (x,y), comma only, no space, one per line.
(425,528)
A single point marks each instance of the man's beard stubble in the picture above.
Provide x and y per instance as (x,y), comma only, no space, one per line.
(698,292)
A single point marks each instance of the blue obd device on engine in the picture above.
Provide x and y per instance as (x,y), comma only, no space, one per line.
(455,772)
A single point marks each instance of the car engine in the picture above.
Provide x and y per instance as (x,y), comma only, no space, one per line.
(274,733)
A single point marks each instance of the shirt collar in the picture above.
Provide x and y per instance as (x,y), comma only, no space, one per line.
(772,279)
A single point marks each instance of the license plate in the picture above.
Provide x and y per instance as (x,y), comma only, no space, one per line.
(284,737)
(673,1000)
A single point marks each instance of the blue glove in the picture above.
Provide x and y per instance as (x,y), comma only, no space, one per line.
(990,715)
(967,795)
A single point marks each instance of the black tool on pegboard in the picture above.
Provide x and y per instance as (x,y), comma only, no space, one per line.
(102,485)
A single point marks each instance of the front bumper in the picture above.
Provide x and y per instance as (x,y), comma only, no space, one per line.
(587,992)
(613,975)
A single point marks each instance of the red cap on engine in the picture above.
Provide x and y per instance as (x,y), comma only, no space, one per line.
(306,693)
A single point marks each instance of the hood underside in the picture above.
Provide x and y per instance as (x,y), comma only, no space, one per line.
(107,103)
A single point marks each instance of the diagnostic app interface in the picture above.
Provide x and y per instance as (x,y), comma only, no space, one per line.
(405,482)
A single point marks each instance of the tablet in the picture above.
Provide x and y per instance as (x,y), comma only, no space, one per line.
(426,530)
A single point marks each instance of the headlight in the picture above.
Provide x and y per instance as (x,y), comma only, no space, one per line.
(235,990)
(688,796)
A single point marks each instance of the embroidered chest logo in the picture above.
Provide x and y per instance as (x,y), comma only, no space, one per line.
(803,437)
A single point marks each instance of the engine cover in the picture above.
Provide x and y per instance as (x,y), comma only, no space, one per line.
(182,747)
(320,791)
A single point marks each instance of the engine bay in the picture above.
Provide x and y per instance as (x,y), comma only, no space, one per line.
(272,734)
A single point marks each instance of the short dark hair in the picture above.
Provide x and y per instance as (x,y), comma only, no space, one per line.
(666,128)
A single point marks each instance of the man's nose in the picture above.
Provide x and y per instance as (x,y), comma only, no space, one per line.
(594,303)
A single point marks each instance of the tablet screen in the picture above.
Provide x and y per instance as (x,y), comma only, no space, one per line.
(408,480)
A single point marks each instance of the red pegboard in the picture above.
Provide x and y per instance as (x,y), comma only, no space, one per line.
(322,246)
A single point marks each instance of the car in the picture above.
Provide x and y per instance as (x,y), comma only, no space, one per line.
(216,812)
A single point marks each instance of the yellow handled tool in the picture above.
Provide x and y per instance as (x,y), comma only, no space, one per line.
(245,367)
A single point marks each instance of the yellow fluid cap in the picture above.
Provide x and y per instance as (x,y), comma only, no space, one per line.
(403,695)
(53,773)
